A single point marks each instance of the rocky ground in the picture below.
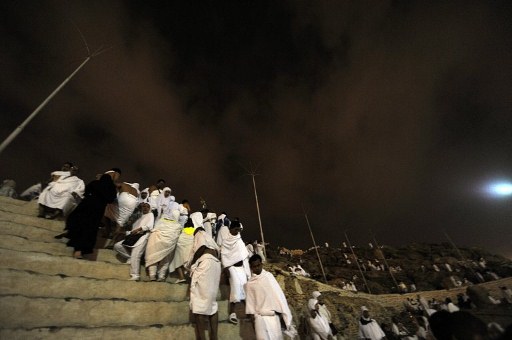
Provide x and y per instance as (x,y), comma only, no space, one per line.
(46,294)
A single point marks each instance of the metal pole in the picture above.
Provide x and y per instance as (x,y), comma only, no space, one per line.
(458,252)
(357,262)
(259,216)
(316,249)
(16,131)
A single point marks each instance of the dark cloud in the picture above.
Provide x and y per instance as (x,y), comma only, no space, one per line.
(382,116)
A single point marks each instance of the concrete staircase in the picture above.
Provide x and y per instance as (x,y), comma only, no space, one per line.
(46,294)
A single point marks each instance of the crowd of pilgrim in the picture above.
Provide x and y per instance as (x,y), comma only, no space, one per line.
(200,246)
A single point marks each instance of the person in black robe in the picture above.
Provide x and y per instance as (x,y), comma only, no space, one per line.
(83,223)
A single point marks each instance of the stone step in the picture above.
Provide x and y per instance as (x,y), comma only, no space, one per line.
(34,233)
(30,284)
(20,207)
(53,247)
(32,221)
(53,312)
(63,265)
(154,332)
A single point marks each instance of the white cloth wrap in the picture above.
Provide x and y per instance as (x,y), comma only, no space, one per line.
(222,234)
(268,327)
(319,327)
(182,253)
(163,239)
(205,285)
(122,209)
(233,250)
(263,294)
(371,331)
(237,281)
(57,194)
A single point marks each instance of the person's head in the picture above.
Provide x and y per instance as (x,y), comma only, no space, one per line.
(204,213)
(73,170)
(255,264)
(143,194)
(145,207)
(186,205)
(66,166)
(365,312)
(114,173)
(160,184)
(316,295)
(234,227)
(167,192)
(447,300)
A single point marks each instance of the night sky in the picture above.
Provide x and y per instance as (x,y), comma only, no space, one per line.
(386,116)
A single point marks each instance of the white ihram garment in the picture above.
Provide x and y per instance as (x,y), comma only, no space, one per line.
(122,209)
(134,253)
(205,275)
(57,194)
(162,243)
(264,297)
(233,250)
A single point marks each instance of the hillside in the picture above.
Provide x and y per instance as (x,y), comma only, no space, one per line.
(46,294)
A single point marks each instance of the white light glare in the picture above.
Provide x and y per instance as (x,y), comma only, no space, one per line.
(500,189)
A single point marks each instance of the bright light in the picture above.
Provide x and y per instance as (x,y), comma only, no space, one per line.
(500,189)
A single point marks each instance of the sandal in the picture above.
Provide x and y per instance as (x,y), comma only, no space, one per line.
(233,319)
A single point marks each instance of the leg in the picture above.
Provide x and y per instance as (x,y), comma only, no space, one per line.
(135,259)
(200,326)
(214,326)
(180,273)
(163,268)
(152,272)
(121,250)
(40,210)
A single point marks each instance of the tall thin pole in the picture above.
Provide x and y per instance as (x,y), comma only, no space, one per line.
(357,262)
(20,128)
(385,261)
(316,248)
(259,215)
(458,252)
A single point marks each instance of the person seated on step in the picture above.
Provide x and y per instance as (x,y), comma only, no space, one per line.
(8,188)
(133,250)
(32,192)
(61,196)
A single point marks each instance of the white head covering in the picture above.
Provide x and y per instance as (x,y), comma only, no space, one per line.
(312,304)
(166,189)
(315,294)
(363,308)
(134,185)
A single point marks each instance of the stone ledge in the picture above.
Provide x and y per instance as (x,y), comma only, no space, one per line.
(157,332)
(47,312)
